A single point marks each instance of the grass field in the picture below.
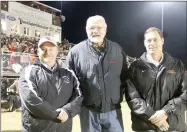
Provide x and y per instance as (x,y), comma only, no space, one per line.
(11,121)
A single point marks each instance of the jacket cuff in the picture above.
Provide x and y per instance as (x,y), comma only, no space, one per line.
(55,115)
(150,112)
(69,115)
(169,108)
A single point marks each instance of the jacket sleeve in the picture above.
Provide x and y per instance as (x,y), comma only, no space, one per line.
(124,73)
(70,61)
(178,104)
(29,94)
(73,106)
(137,105)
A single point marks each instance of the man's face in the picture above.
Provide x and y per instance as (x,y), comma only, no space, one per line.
(96,31)
(153,42)
(32,50)
(47,52)
(14,40)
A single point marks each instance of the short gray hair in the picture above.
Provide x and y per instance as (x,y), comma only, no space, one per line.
(153,29)
(96,17)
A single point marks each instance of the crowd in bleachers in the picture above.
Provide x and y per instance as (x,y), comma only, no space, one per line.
(19,51)
(17,43)
(24,44)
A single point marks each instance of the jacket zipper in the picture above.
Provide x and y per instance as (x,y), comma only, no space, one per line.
(57,94)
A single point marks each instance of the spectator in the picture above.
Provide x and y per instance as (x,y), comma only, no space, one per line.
(14,94)
(12,47)
(4,85)
(4,48)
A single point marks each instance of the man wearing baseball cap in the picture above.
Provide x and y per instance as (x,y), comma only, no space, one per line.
(50,94)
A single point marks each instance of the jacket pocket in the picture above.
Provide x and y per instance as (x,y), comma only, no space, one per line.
(114,101)
(114,87)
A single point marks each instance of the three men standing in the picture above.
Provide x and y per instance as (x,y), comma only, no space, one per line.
(155,86)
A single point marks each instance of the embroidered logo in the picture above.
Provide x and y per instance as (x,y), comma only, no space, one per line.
(112,62)
(66,79)
(171,72)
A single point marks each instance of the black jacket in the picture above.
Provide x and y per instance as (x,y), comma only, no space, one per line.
(154,88)
(99,74)
(42,92)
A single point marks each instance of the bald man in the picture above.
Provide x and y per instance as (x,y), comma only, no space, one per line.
(100,65)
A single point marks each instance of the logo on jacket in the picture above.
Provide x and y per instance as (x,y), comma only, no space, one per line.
(171,72)
(66,79)
(112,62)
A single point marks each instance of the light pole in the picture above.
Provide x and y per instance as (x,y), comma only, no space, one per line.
(162,20)
(63,18)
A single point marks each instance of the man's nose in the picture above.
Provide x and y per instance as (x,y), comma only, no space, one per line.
(96,29)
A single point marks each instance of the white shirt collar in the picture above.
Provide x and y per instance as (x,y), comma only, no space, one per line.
(150,59)
(48,67)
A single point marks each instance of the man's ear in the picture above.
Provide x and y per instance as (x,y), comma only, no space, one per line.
(39,53)
(144,43)
(58,49)
(162,41)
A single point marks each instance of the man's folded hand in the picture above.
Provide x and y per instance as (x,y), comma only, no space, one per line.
(158,116)
(159,119)
(63,116)
(162,125)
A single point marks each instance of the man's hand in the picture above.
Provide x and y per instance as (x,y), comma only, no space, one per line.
(159,119)
(63,116)
(158,116)
(162,125)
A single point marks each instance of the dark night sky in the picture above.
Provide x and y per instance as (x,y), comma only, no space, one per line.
(127,22)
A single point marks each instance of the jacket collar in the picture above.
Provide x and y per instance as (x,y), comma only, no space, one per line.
(165,61)
(42,65)
(95,51)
